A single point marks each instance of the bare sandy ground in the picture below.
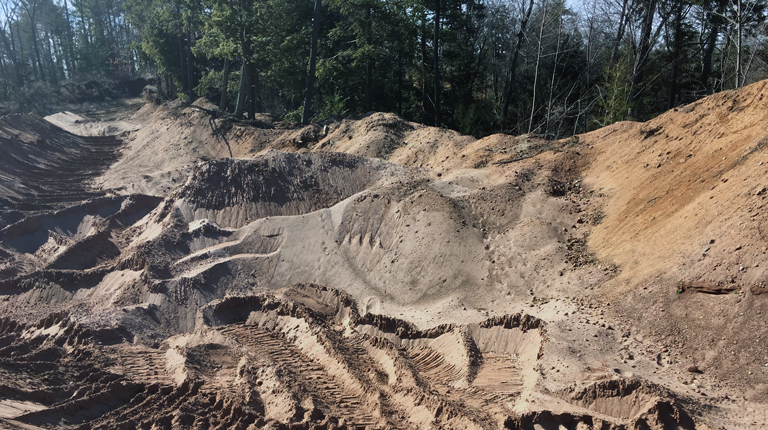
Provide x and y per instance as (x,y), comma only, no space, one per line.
(375,273)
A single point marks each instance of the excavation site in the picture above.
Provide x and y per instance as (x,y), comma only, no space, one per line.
(172,269)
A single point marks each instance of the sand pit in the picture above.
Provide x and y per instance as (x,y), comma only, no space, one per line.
(374,273)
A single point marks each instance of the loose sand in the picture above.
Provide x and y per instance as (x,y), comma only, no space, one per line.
(183,271)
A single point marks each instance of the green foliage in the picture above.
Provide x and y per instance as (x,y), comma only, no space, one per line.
(293,116)
(614,96)
(210,80)
(378,55)
(334,105)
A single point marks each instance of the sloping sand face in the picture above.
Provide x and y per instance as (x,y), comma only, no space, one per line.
(43,167)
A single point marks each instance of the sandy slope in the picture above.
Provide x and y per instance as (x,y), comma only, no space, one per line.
(379,273)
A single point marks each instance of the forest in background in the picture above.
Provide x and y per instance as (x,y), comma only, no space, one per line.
(548,67)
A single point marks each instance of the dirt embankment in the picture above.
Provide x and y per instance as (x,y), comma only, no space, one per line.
(686,221)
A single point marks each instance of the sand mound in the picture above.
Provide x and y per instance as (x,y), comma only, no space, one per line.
(275,184)
(378,273)
(78,237)
(82,126)
(160,155)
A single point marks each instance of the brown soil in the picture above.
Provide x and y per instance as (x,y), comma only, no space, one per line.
(195,272)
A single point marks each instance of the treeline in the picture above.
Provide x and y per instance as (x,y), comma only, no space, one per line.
(549,67)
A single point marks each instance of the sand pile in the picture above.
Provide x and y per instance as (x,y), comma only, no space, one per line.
(83,126)
(376,273)
(684,198)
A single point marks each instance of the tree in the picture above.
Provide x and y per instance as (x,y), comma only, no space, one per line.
(306,114)
(516,54)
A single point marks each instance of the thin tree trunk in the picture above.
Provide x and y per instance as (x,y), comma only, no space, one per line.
(33,32)
(536,70)
(10,47)
(86,27)
(554,74)
(257,89)
(709,49)
(169,86)
(368,86)
(620,31)
(642,57)
(673,76)
(306,114)
(224,86)
(368,65)
(241,93)
(182,64)
(5,90)
(513,65)
(424,56)
(436,61)
(71,64)
(51,61)
(400,83)
(739,19)
(251,89)
(21,53)
(190,68)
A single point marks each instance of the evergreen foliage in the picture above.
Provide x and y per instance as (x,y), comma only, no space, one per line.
(548,67)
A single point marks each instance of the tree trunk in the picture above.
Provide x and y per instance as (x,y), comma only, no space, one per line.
(424,63)
(182,65)
(224,86)
(620,31)
(709,49)
(400,83)
(536,70)
(33,32)
(190,68)
(251,89)
(642,57)
(513,65)
(169,86)
(84,23)
(368,65)
(739,20)
(436,61)
(306,114)
(71,63)
(554,75)
(257,89)
(10,47)
(673,76)
(53,73)
(241,93)
(5,90)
